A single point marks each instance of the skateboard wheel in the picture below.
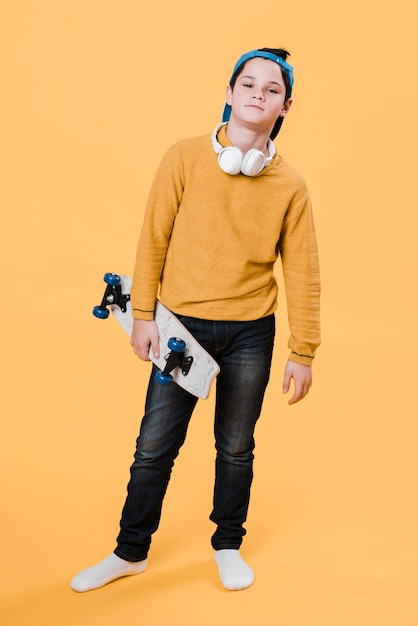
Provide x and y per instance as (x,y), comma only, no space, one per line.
(163,379)
(100,313)
(111,279)
(176,345)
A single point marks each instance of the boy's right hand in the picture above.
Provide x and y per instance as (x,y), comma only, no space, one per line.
(144,335)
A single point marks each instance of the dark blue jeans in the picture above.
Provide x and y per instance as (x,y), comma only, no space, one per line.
(243,351)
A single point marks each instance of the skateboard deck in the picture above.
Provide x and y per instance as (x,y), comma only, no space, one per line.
(182,359)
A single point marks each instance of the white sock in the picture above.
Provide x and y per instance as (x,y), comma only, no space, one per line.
(234,572)
(104,572)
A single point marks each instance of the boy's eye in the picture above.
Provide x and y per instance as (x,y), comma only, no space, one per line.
(271,90)
(247,84)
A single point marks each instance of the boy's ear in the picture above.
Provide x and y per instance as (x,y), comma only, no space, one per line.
(228,94)
(286,107)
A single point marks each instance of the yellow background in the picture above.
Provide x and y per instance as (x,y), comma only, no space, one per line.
(93,92)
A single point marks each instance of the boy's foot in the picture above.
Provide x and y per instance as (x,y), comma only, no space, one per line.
(104,572)
(234,572)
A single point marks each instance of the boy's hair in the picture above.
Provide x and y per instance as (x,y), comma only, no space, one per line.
(275,54)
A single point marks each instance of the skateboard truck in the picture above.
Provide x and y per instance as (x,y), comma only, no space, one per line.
(175,358)
(112,295)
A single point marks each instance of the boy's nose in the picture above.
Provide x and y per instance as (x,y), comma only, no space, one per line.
(258,95)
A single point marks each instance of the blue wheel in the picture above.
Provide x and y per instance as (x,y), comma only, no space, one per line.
(100,313)
(111,279)
(163,379)
(176,345)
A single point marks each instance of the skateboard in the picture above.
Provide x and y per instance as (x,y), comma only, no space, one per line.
(182,359)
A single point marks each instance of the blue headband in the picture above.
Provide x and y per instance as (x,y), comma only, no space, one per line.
(265,55)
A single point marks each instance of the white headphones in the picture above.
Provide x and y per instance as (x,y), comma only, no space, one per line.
(232,161)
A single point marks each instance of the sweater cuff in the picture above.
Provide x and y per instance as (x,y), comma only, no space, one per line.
(301,359)
(138,314)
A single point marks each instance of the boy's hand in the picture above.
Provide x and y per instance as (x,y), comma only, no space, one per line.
(302,378)
(144,335)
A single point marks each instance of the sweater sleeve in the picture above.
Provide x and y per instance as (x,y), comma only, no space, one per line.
(298,250)
(161,210)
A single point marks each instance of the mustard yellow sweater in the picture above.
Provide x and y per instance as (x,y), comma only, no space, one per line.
(209,243)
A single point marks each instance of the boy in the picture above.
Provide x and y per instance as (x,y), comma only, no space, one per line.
(221,210)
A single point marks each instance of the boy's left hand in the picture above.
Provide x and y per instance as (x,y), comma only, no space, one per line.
(302,379)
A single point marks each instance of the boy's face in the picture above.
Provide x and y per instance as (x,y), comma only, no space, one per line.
(258,97)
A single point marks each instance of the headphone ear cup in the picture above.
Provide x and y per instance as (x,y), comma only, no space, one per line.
(253,162)
(230,160)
